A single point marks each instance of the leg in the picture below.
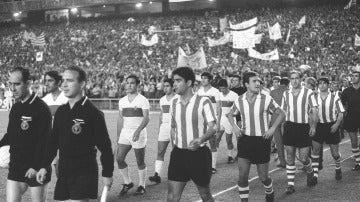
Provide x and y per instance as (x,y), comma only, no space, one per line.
(355,149)
(140,155)
(230,147)
(316,157)
(121,153)
(290,164)
(304,158)
(15,190)
(243,181)
(38,194)
(218,137)
(263,172)
(334,148)
(205,193)
(212,142)
(162,146)
(280,147)
(175,190)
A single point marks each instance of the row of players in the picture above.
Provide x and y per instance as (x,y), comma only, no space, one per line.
(182,121)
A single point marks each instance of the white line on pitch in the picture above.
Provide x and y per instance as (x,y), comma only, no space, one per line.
(256,177)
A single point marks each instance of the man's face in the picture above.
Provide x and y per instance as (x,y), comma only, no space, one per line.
(224,90)
(295,80)
(50,83)
(17,86)
(180,85)
(253,85)
(276,83)
(235,82)
(323,86)
(205,81)
(71,85)
(168,89)
(131,86)
(355,78)
(334,87)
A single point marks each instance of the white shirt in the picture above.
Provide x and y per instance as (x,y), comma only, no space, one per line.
(132,112)
(227,101)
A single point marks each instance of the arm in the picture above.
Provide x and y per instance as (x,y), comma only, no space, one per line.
(218,111)
(142,125)
(279,119)
(120,124)
(314,118)
(235,128)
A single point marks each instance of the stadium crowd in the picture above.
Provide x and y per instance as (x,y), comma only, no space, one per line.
(109,48)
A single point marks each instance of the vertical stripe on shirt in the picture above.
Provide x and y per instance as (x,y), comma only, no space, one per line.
(183,124)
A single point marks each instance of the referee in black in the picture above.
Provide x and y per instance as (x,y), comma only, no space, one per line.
(27,133)
(79,128)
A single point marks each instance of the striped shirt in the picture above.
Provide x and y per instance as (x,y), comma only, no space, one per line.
(255,116)
(227,101)
(188,120)
(165,109)
(329,108)
(132,112)
(297,107)
(213,94)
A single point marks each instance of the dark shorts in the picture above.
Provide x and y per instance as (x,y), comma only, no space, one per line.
(296,134)
(188,165)
(17,173)
(255,149)
(323,134)
(352,122)
(76,187)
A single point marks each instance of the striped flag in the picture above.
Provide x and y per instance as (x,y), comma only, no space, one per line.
(38,40)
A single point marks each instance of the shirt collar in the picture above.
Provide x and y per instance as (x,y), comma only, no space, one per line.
(30,100)
(81,102)
(258,96)
(192,99)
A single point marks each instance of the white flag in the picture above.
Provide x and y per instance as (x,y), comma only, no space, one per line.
(39,56)
(245,24)
(218,42)
(154,40)
(244,39)
(357,40)
(275,32)
(301,22)
(223,23)
(273,55)
(195,61)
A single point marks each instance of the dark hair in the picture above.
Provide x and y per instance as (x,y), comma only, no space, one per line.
(186,73)
(248,75)
(223,83)
(170,81)
(295,72)
(324,79)
(25,73)
(277,78)
(236,76)
(284,81)
(55,75)
(82,73)
(208,75)
(133,76)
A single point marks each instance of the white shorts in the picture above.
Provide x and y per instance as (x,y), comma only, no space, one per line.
(126,137)
(164,132)
(225,125)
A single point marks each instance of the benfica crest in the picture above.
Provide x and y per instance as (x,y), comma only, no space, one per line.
(76,128)
(24,124)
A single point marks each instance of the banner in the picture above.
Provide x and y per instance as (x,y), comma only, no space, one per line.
(301,22)
(223,23)
(218,42)
(275,32)
(38,40)
(195,61)
(39,56)
(245,24)
(154,40)
(273,55)
(357,40)
(244,39)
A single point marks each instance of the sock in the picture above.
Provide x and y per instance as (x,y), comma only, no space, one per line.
(308,167)
(125,175)
(268,187)
(356,153)
(337,163)
(244,193)
(158,166)
(230,153)
(214,158)
(315,164)
(142,177)
(290,174)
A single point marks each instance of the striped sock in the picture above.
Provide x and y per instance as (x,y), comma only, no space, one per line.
(337,163)
(290,173)
(315,164)
(308,167)
(244,193)
(268,187)
(356,153)
(214,159)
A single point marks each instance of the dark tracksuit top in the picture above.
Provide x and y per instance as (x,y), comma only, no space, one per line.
(76,132)
(28,129)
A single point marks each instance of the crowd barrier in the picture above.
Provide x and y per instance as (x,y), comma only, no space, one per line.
(113,104)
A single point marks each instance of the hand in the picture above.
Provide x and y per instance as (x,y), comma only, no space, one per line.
(237,132)
(269,133)
(218,126)
(108,181)
(41,175)
(194,144)
(136,136)
(312,131)
(30,173)
(334,128)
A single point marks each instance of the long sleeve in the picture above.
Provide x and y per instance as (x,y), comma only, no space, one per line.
(52,144)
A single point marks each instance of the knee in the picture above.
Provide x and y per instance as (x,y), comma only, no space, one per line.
(141,165)
(243,182)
